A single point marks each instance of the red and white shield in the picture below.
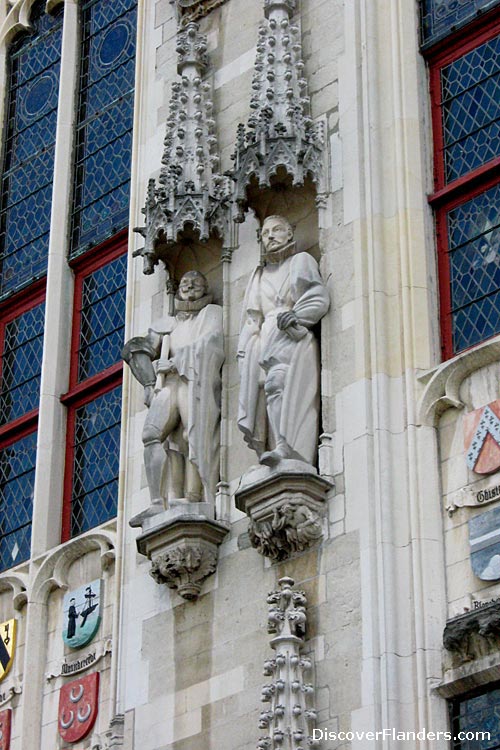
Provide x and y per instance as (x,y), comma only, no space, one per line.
(5,724)
(482,438)
(78,704)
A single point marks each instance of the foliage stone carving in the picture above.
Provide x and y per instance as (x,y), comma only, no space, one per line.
(185,568)
(293,528)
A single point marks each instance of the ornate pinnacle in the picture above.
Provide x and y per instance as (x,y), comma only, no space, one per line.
(190,192)
(280,131)
(290,716)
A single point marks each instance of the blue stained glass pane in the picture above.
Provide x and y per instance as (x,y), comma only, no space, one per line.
(102,318)
(477,716)
(471,109)
(28,164)
(474,257)
(17,476)
(30,141)
(105,118)
(441,17)
(21,363)
(97,449)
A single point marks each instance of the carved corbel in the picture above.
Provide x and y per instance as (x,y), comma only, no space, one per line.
(192,10)
(470,635)
(289,717)
(183,550)
(285,509)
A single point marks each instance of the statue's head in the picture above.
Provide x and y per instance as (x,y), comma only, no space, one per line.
(276,234)
(192,286)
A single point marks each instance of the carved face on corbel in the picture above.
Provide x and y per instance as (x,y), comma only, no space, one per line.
(276,234)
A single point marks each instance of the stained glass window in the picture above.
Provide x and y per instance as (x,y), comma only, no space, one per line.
(28,162)
(102,318)
(105,118)
(471,716)
(471,109)
(95,463)
(441,17)
(474,242)
(21,363)
(17,476)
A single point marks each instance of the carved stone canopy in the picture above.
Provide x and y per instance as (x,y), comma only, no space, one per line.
(280,134)
(191,197)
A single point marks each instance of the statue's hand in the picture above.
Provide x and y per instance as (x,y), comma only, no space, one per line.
(286,319)
(149,391)
(164,366)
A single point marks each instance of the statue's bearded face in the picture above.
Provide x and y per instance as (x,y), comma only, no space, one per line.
(193,286)
(276,234)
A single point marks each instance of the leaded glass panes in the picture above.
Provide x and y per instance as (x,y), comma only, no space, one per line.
(475,715)
(441,17)
(96,457)
(102,318)
(471,109)
(474,258)
(21,363)
(17,476)
(105,117)
(28,162)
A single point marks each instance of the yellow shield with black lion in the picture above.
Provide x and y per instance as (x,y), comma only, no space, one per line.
(7,646)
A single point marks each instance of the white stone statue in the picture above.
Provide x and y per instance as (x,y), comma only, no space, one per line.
(278,353)
(179,364)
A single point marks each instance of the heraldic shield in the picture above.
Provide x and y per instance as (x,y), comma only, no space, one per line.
(5,725)
(7,646)
(82,614)
(78,706)
(482,439)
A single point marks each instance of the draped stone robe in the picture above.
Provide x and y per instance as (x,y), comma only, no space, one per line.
(294,284)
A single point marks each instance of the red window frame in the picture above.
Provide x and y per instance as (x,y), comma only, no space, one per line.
(81,393)
(459,191)
(10,309)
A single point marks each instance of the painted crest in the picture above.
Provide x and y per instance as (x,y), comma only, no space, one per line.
(484,537)
(78,706)
(5,725)
(82,614)
(482,438)
(8,631)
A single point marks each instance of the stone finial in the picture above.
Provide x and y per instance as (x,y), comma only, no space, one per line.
(191,192)
(280,131)
(192,49)
(290,717)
